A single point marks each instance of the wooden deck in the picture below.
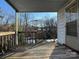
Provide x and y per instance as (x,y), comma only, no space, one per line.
(39,51)
(43,50)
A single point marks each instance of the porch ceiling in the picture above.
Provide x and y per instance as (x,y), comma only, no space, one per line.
(37,5)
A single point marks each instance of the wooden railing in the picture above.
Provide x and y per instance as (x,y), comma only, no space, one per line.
(23,39)
(7,41)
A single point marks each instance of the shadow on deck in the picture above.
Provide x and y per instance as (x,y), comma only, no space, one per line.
(62,52)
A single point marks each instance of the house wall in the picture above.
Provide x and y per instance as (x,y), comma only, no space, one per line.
(78,20)
(73,41)
(63,38)
(61,26)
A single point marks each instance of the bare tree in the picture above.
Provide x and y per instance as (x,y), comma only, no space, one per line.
(50,27)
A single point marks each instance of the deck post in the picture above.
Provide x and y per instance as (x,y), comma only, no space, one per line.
(17,17)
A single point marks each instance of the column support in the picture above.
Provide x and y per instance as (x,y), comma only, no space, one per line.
(17,18)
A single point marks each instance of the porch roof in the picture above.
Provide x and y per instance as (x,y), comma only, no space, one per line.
(37,5)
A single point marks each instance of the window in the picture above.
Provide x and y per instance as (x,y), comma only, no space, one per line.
(71,16)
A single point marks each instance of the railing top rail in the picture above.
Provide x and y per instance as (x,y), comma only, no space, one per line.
(6,33)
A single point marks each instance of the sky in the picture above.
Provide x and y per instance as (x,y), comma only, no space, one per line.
(6,7)
(40,15)
(33,15)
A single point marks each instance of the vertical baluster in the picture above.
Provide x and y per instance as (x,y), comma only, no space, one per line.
(0,45)
(13,40)
(9,41)
(5,38)
(18,38)
(3,44)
